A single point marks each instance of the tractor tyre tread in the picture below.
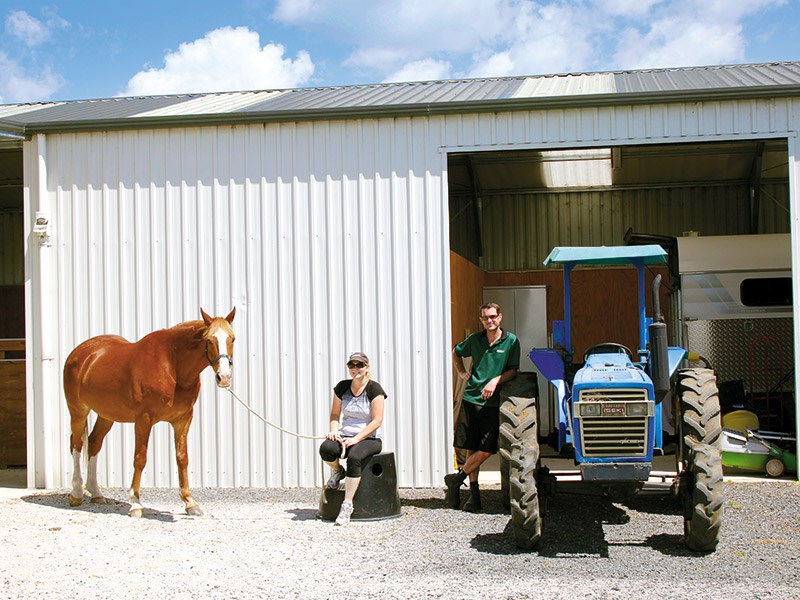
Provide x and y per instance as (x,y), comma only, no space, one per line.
(703,515)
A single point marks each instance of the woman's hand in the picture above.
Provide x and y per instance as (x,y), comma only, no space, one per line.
(334,435)
(348,441)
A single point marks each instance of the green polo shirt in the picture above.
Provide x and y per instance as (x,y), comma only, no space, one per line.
(487,363)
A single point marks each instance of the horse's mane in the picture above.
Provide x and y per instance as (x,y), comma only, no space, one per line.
(201,331)
(198,328)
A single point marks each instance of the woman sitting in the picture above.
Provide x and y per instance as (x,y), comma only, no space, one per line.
(355,430)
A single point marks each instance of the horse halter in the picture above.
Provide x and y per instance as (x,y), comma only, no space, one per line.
(219,358)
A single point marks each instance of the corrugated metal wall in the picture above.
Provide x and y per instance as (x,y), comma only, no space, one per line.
(327,237)
(322,235)
(520,230)
(12,265)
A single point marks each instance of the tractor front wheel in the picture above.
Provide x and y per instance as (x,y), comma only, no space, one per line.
(526,520)
(700,419)
(518,429)
(701,492)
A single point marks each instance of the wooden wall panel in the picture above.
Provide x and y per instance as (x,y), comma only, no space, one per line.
(467,281)
(603,301)
(12,413)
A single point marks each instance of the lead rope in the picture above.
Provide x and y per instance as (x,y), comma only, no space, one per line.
(295,434)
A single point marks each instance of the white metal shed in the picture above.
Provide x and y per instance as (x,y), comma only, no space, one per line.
(322,216)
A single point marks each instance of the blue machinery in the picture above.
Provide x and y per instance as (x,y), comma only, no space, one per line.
(611,410)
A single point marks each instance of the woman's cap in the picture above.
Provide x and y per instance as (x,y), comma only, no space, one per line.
(358,357)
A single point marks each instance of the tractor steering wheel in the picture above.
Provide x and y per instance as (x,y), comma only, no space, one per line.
(611,347)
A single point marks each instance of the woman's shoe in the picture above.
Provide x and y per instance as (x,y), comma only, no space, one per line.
(335,479)
(344,514)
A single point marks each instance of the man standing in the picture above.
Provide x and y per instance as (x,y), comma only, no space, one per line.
(495,360)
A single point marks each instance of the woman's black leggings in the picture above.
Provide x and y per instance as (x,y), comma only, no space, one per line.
(356,455)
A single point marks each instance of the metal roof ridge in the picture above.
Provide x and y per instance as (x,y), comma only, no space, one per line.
(398,84)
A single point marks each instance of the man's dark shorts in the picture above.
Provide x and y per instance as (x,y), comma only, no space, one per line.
(477,427)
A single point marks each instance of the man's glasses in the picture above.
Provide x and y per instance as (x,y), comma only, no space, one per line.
(489,317)
(355,365)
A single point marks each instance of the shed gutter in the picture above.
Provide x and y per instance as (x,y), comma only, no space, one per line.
(21,129)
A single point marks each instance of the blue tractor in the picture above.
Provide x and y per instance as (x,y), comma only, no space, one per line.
(612,408)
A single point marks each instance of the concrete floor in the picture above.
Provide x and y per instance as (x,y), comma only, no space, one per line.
(13,483)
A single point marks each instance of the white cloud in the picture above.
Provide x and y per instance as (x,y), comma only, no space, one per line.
(421,70)
(290,11)
(30,30)
(689,32)
(16,86)
(626,8)
(226,59)
(543,39)
(377,57)
(386,34)
(485,38)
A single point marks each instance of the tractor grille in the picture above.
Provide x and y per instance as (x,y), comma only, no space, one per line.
(614,435)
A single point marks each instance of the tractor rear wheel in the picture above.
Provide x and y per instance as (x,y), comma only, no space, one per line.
(701,492)
(701,420)
(526,520)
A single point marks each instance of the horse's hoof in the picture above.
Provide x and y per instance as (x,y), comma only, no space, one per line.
(99,500)
(136,513)
(194,511)
(73,501)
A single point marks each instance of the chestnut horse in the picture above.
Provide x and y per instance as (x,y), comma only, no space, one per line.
(154,379)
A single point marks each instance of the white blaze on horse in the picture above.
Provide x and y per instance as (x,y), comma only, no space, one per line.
(145,382)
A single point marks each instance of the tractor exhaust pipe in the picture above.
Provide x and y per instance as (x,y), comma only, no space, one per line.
(659,359)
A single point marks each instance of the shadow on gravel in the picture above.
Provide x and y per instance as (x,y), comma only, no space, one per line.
(303,514)
(671,545)
(574,526)
(654,504)
(113,507)
(490,499)
(499,544)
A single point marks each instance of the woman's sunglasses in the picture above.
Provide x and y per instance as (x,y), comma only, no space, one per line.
(355,365)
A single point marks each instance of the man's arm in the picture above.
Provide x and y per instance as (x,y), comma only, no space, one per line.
(489,389)
(458,363)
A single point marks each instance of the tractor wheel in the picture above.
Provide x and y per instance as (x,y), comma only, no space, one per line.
(701,492)
(701,420)
(505,492)
(518,428)
(526,520)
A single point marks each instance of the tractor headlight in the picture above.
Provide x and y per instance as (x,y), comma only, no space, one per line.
(637,409)
(590,409)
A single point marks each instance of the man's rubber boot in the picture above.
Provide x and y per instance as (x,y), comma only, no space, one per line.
(473,503)
(453,482)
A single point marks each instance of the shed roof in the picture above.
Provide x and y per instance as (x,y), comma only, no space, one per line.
(405,99)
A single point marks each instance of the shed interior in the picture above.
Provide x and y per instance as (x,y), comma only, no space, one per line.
(508,209)
(12,309)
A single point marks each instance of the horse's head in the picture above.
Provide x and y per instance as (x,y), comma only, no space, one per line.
(219,339)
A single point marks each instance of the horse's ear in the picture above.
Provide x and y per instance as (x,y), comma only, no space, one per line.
(232,314)
(206,318)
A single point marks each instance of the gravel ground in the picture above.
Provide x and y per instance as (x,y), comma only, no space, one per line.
(269,544)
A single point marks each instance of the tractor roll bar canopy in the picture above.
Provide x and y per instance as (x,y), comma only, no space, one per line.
(607,255)
(638,256)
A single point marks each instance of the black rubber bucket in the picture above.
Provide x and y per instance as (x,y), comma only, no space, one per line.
(377,497)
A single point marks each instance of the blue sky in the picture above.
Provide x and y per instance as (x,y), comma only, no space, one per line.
(78,49)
